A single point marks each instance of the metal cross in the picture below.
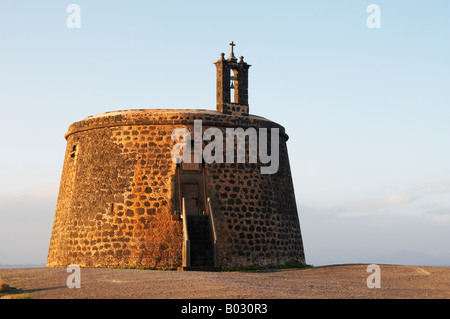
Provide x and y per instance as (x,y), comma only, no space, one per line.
(232,45)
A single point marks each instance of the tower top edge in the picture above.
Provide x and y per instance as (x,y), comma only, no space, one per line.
(132,117)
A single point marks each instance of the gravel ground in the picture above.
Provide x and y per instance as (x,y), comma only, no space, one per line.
(338,282)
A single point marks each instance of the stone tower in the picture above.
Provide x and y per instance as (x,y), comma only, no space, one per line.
(126,201)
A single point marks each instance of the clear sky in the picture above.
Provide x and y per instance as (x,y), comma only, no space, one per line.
(367,109)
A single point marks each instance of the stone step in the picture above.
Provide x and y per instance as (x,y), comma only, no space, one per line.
(201,247)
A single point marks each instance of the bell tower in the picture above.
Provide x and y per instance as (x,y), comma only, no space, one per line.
(232,84)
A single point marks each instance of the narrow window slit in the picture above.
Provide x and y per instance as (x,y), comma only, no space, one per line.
(74,151)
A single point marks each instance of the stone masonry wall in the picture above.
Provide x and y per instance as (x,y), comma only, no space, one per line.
(117,198)
(255,214)
(115,203)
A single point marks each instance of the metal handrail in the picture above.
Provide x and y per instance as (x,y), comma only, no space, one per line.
(214,240)
(213,228)
(183,217)
(186,241)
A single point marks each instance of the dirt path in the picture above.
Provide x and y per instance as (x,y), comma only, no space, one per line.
(340,281)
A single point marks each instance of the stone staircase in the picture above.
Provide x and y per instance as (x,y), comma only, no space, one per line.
(201,248)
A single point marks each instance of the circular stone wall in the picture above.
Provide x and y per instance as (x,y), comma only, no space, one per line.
(118,203)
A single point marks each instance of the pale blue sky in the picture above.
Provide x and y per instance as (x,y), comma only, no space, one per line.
(367,110)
